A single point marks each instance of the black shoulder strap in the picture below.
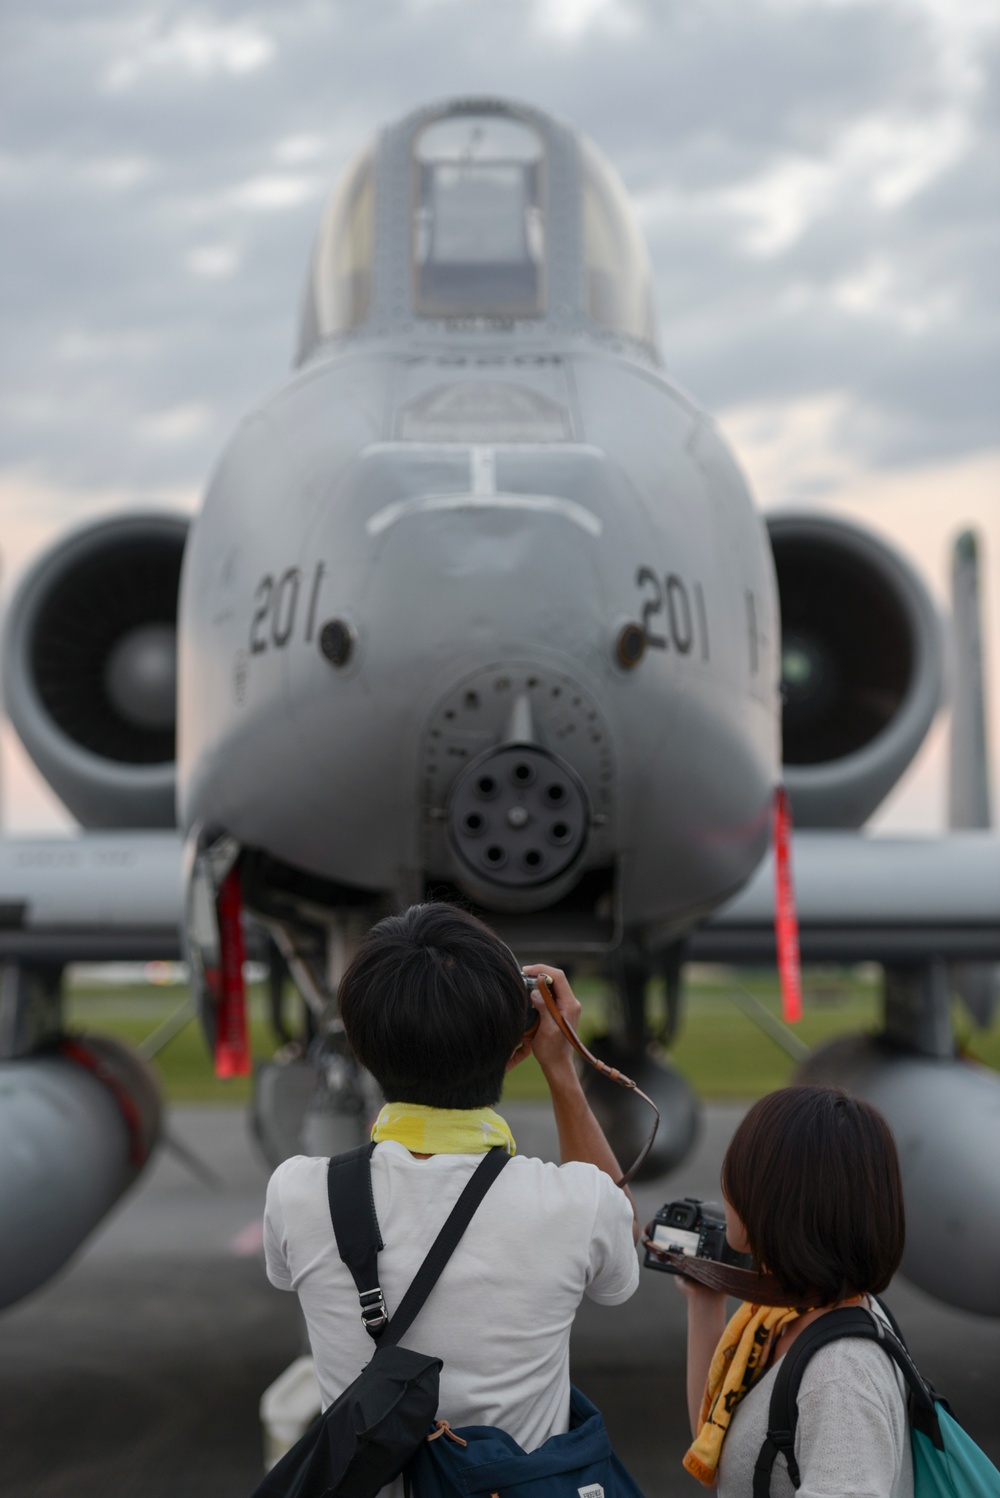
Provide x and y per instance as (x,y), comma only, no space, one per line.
(352,1211)
(783,1415)
(355,1227)
(887,1313)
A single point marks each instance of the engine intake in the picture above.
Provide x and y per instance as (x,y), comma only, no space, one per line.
(89,668)
(860,664)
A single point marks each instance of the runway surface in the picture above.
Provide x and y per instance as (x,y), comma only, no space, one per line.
(137,1373)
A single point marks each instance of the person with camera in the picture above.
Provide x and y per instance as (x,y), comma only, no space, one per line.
(435,1006)
(812,1191)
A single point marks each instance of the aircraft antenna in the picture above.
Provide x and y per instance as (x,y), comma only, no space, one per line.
(968,780)
(978,984)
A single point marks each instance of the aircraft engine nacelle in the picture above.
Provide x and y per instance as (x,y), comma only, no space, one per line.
(89,668)
(861,666)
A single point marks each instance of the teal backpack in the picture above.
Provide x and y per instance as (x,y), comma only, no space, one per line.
(947,1463)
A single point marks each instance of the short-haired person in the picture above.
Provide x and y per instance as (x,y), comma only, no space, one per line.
(812,1189)
(434,1005)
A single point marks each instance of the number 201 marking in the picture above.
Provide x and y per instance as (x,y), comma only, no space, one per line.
(276,604)
(670,596)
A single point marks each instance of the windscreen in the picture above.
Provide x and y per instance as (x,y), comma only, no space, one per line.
(342,272)
(479,226)
(619,289)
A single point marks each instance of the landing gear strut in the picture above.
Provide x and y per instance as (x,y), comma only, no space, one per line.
(633,1050)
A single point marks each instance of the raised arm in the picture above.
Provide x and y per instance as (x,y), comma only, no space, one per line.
(580,1135)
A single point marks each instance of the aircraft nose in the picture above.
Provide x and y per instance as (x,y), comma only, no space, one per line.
(518,816)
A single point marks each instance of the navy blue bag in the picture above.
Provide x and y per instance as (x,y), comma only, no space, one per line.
(482,1459)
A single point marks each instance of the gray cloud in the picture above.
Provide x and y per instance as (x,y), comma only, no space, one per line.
(163,170)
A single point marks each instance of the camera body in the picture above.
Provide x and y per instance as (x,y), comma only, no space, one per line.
(531,982)
(695,1229)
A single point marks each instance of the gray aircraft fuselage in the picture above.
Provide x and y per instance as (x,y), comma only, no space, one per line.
(472,510)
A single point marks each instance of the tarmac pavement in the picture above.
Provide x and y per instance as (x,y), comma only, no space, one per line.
(137,1373)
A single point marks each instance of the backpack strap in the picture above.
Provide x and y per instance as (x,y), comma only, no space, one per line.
(359,1241)
(887,1313)
(783,1414)
(355,1227)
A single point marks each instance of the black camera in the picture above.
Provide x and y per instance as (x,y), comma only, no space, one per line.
(695,1229)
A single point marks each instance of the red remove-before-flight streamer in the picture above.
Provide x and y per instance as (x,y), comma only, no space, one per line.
(232,1050)
(786,921)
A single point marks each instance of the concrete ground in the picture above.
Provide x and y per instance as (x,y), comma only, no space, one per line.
(137,1373)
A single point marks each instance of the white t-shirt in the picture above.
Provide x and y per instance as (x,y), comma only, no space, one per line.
(501,1313)
(852,1439)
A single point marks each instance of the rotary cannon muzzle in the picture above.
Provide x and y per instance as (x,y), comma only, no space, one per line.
(518,816)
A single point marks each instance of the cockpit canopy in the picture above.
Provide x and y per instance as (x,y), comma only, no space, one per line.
(489,186)
(478,227)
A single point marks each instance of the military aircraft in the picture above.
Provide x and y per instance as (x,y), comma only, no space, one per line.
(478,606)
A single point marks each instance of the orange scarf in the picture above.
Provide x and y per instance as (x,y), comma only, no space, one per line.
(743,1352)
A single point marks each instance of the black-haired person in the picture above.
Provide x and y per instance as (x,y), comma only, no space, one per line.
(812,1189)
(434,1006)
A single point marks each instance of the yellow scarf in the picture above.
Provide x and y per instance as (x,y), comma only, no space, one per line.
(742,1354)
(442,1131)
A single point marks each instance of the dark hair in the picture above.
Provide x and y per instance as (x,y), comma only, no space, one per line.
(433,1005)
(814,1176)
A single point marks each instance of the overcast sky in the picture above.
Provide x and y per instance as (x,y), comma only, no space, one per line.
(819,181)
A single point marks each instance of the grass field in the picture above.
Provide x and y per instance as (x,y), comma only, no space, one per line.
(722,1052)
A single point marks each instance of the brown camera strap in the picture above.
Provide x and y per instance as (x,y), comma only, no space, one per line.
(743,1284)
(611,1072)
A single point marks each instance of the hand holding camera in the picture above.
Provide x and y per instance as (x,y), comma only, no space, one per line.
(542,1035)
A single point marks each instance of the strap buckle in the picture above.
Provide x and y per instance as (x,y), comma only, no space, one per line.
(784,1441)
(373,1312)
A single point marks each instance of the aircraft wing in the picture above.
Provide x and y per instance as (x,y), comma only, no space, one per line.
(116,896)
(91,897)
(866,898)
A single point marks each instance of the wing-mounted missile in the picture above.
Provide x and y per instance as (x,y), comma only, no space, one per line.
(945,1116)
(89,668)
(79,1114)
(861,666)
(80,1117)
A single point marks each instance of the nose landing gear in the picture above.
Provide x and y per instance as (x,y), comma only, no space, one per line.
(622,1116)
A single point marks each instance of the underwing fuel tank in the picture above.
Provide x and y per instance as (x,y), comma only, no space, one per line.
(945,1117)
(78,1123)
